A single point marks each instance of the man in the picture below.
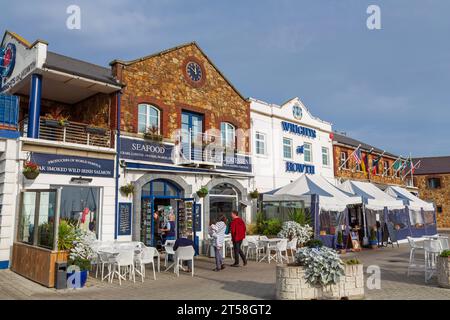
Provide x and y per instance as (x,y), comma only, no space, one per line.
(184,242)
(238,231)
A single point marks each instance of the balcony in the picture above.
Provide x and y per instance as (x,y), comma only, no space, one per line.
(200,149)
(70,132)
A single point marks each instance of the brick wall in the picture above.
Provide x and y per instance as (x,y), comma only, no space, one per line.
(356,175)
(160,80)
(441,196)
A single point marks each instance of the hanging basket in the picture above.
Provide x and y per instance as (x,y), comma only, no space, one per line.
(203,192)
(31,175)
(127,189)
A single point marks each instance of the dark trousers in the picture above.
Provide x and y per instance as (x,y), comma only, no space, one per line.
(238,252)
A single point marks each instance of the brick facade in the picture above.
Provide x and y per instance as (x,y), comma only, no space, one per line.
(160,80)
(440,196)
(349,173)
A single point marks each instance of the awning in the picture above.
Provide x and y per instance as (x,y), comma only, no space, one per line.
(330,197)
(374,198)
(409,199)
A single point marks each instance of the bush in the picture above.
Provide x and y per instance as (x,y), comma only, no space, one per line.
(66,236)
(252,229)
(314,243)
(300,216)
(272,227)
(352,262)
(292,230)
(323,265)
(445,254)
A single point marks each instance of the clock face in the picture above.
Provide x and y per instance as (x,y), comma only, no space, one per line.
(194,71)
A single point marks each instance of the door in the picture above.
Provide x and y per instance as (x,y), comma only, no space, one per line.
(192,135)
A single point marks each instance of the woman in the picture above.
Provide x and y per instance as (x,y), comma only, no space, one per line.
(218,235)
(169,230)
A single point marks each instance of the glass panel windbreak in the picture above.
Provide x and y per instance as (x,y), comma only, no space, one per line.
(26,223)
(46,220)
(286,211)
(416,218)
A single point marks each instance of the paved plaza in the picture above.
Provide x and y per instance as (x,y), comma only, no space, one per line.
(256,281)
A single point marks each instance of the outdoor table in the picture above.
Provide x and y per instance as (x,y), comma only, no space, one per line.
(268,243)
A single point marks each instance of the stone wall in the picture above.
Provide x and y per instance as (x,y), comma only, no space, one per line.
(160,80)
(363,176)
(441,196)
(291,285)
(443,271)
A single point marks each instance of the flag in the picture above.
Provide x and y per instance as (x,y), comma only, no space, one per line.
(375,164)
(364,163)
(357,156)
(416,166)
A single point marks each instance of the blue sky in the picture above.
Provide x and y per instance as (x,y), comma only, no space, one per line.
(388,87)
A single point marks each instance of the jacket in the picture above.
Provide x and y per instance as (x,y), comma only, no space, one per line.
(238,230)
(218,234)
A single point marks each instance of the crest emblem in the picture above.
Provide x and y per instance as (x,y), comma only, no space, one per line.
(298,112)
(7,60)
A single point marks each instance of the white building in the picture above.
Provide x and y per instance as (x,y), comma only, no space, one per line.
(288,141)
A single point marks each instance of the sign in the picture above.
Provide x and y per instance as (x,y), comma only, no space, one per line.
(73,166)
(301,150)
(236,162)
(124,219)
(198,217)
(297,112)
(298,130)
(139,150)
(7,60)
(300,168)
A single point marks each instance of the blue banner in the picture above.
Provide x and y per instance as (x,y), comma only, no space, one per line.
(139,150)
(73,166)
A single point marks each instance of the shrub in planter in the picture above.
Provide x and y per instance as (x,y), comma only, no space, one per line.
(80,258)
(127,189)
(30,170)
(291,230)
(443,269)
(352,262)
(152,133)
(254,194)
(272,227)
(373,240)
(202,192)
(66,236)
(314,243)
(300,216)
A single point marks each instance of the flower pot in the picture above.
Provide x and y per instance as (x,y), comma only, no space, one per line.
(31,175)
(95,130)
(52,123)
(78,279)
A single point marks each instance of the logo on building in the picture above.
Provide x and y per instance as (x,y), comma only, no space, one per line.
(298,112)
(7,60)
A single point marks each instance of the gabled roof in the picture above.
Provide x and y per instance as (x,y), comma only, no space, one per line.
(22,40)
(80,68)
(433,165)
(341,139)
(157,54)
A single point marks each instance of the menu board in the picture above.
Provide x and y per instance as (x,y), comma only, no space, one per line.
(198,217)
(124,219)
(146,222)
(185,221)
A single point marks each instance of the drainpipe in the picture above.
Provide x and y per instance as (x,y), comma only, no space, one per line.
(118,148)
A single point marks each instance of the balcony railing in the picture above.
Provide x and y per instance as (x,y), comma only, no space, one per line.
(200,149)
(72,132)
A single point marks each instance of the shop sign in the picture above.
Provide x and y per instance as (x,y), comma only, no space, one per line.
(236,162)
(73,166)
(298,130)
(7,60)
(140,150)
(300,168)
(124,223)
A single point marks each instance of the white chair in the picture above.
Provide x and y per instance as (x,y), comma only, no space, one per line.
(279,248)
(168,247)
(254,247)
(124,261)
(184,254)
(433,249)
(146,256)
(292,247)
(414,246)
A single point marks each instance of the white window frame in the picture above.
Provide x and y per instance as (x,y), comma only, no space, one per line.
(327,153)
(343,157)
(225,129)
(310,152)
(147,115)
(290,146)
(263,141)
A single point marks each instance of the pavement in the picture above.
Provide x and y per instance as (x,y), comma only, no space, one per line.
(256,281)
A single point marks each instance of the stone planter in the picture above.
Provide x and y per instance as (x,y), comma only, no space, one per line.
(291,285)
(443,271)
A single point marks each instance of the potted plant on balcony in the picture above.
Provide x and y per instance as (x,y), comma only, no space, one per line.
(96,130)
(202,192)
(56,119)
(127,189)
(152,133)
(254,194)
(30,170)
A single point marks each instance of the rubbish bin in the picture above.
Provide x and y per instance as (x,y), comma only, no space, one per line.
(61,275)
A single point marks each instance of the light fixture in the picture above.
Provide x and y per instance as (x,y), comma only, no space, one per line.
(81,180)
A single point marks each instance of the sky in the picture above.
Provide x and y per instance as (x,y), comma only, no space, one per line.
(389,87)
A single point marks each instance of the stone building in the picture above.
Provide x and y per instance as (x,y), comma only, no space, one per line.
(433,180)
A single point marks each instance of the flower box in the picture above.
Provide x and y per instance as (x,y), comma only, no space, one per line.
(96,130)
(291,284)
(443,272)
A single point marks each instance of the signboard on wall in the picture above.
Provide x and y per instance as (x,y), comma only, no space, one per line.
(236,162)
(298,130)
(124,223)
(140,150)
(73,166)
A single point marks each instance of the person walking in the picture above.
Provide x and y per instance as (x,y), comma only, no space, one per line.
(218,235)
(238,232)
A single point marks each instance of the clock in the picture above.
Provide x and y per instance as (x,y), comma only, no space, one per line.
(194,71)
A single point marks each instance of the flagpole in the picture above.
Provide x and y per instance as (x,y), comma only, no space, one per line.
(348,159)
(391,167)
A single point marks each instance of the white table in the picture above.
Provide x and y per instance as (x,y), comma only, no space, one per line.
(268,244)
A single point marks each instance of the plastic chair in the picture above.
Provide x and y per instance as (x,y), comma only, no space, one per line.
(124,260)
(184,254)
(279,248)
(254,246)
(146,256)
(433,249)
(414,246)
(292,246)
(168,248)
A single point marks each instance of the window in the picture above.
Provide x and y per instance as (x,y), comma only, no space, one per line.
(386,168)
(287,148)
(439,209)
(434,183)
(325,156)
(343,163)
(260,143)
(308,152)
(149,119)
(228,132)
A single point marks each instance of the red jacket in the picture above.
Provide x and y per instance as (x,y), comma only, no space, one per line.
(238,230)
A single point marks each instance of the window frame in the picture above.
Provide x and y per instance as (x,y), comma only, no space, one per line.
(343,160)
(148,116)
(434,179)
(264,142)
(328,162)
(291,148)
(311,159)
(225,133)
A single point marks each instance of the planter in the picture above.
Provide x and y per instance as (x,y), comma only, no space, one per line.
(96,130)
(52,123)
(443,271)
(31,175)
(153,137)
(82,276)
(291,285)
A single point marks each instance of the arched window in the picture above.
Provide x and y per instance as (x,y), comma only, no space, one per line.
(228,132)
(149,119)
